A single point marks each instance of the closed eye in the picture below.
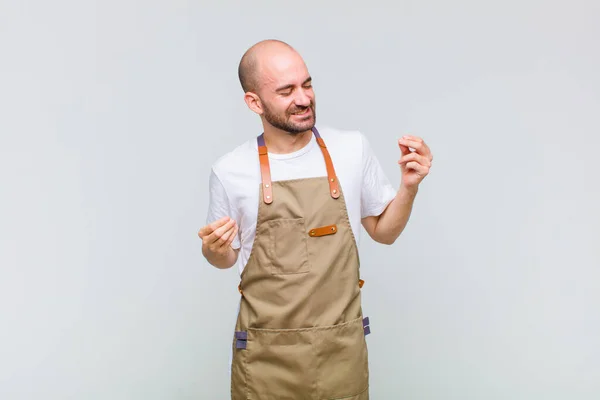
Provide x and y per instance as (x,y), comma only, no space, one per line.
(288,89)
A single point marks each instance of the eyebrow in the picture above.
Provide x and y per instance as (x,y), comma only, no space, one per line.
(309,79)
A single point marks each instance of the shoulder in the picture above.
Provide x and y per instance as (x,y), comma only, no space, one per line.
(343,140)
(329,132)
(236,162)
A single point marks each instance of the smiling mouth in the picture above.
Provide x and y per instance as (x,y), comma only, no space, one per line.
(303,112)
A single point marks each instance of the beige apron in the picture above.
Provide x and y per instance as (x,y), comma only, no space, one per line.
(300,332)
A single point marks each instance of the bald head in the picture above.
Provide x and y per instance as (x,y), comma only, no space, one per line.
(278,87)
(251,62)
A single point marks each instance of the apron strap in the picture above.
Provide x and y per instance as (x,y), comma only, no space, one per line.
(241,339)
(265,170)
(366,327)
(331,177)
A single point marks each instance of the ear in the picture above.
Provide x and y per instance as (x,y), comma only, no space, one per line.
(253,102)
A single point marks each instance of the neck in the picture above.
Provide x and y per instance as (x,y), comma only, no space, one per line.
(281,142)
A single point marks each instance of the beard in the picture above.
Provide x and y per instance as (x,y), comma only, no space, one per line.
(283,120)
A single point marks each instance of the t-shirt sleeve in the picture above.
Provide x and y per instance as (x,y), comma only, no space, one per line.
(219,206)
(377,191)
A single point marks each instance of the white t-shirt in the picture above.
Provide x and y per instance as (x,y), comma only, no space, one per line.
(235,179)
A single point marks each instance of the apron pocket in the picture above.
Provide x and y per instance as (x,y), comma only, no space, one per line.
(342,360)
(280,364)
(288,252)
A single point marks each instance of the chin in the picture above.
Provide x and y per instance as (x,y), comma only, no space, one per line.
(302,129)
(305,125)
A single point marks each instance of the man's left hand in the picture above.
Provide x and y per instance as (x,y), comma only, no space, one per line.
(414,164)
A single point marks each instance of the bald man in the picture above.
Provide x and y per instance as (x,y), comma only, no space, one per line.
(287,207)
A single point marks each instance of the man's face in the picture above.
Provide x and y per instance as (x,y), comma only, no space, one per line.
(286,94)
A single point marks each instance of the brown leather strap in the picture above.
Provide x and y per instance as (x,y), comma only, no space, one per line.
(323,230)
(265,171)
(331,176)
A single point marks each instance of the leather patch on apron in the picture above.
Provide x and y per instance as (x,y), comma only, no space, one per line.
(323,231)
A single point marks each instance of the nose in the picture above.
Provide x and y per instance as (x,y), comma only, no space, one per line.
(302,98)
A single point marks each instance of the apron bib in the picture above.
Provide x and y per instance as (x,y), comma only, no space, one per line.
(300,332)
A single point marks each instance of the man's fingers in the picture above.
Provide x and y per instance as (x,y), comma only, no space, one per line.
(412,143)
(232,236)
(415,143)
(415,157)
(203,231)
(403,149)
(218,245)
(415,166)
(208,229)
(225,236)
(219,223)
(217,233)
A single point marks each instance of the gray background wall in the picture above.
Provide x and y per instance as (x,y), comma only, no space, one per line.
(112,112)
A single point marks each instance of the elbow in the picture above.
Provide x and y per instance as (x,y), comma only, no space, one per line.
(389,237)
(222,266)
(387,240)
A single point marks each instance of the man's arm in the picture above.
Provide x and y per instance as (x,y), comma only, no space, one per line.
(387,227)
(221,230)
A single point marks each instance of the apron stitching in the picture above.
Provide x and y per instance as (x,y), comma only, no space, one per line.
(347,220)
(246,374)
(313,328)
(258,224)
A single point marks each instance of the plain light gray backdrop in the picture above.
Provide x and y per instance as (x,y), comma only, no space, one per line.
(112,112)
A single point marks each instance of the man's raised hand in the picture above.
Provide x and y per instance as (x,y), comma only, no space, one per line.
(218,236)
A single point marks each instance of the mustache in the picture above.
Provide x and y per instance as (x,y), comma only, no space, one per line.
(301,109)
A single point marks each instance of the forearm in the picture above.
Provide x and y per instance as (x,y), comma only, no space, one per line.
(393,220)
(221,261)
